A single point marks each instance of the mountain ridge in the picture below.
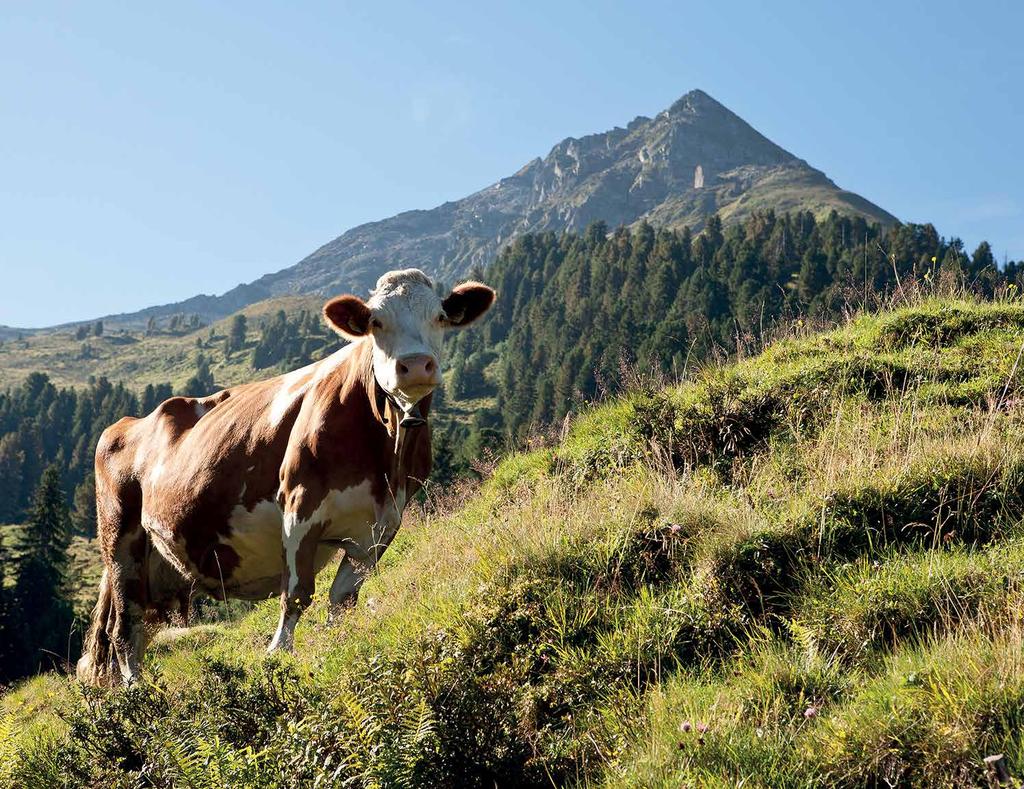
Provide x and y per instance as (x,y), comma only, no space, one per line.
(691,160)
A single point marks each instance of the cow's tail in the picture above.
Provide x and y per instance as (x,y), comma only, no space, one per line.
(98,664)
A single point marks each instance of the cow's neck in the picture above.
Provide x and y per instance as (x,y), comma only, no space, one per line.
(407,452)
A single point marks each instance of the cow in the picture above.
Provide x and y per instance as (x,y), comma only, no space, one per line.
(251,491)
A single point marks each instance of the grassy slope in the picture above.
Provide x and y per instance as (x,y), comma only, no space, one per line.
(783,190)
(805,569)
(133,358)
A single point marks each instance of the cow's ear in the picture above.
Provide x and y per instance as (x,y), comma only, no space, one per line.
(349,316)
(466,303)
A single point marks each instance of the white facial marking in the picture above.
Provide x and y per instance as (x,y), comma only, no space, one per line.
(405,323)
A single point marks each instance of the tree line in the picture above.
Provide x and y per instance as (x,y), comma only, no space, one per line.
(576,311)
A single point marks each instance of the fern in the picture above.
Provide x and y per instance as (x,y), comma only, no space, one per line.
(805,639)
(188,762)
(418,729)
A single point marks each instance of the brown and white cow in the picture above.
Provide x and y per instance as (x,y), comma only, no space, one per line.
(251,491)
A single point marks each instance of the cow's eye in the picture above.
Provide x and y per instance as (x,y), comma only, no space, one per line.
(441,317)
(376,324)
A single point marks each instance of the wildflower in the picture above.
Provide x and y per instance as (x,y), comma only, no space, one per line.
(702,727)
(934,259)
(675,528)
(811,712)
(685,726)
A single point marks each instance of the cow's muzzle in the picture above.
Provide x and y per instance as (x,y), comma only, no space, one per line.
(416,371)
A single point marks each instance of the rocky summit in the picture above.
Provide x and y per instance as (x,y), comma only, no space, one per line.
(694,159)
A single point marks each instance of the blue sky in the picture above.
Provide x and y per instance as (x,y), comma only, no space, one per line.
(149,152)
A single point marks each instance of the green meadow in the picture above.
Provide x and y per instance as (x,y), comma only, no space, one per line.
(804,568)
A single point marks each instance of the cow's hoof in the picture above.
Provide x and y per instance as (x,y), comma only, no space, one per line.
(281,643)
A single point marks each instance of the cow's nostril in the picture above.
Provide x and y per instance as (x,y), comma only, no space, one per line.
(403,369)
(430,366)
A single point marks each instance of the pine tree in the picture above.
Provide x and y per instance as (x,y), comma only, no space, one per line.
(40,594)
(813,276)
(983,259)
(201,384)
(8,657)
(12,462)
(83,518)
(236,337)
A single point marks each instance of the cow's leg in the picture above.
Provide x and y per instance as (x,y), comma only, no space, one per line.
(299,578)
(170,594)
(360,558)
(127,629)
(354,568)
(117,634)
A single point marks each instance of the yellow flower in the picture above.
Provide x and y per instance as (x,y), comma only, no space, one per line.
(934,258)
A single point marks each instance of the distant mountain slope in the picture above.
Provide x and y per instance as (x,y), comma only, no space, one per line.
(694,159)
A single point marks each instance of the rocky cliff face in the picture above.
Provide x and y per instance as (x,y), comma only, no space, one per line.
(693,159)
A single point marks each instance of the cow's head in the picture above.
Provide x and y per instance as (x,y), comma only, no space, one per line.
(405,321)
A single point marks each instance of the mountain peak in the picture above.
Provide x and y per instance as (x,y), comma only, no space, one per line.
(694,159)
(694,101)
(698,103)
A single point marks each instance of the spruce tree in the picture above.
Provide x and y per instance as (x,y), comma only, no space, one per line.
(42,608)
(7,642)
(83,519)
(12,463)
(201,384)
(236,338)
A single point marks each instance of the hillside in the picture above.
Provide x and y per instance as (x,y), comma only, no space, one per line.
(132,356)
(692,160)
(802,569)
